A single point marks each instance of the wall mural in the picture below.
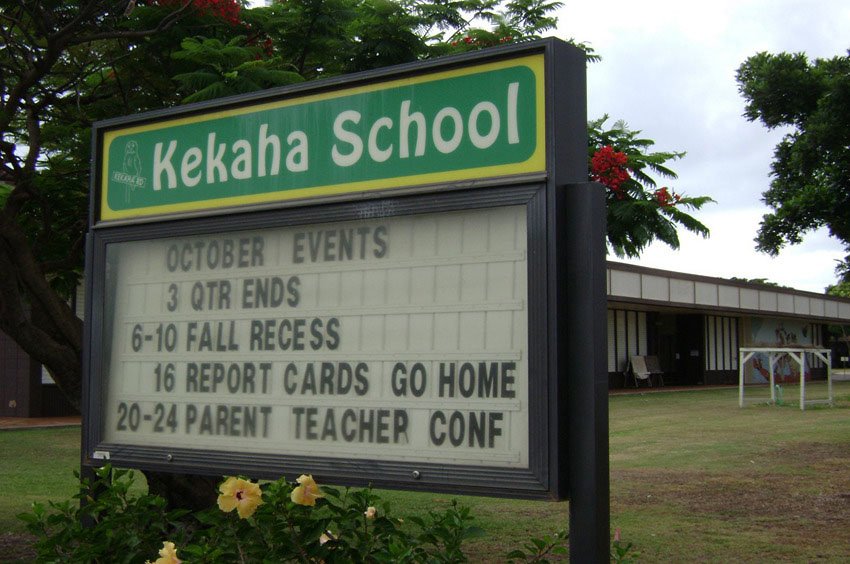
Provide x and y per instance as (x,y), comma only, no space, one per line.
(777,333)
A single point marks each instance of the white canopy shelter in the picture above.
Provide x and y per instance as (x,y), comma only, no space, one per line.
(774,354)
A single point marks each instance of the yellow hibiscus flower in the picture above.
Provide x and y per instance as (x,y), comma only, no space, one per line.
(167,555)
(242,495)
(307,492)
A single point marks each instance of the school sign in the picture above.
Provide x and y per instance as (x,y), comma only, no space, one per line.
(392,278)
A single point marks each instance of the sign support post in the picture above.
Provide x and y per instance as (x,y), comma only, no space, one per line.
(584,348)
(579,334)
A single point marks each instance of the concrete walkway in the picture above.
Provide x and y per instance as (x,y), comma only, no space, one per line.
(8,423)
(644,389)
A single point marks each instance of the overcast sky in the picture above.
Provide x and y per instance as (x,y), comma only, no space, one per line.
(668,69)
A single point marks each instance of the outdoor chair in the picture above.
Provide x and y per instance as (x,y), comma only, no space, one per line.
(644,368)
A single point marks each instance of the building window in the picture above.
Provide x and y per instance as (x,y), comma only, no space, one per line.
(626,337)
(721,343)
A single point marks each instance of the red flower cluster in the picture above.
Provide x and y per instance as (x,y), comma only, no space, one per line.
(609,167)
(468,40)
(227,10)
(666,197)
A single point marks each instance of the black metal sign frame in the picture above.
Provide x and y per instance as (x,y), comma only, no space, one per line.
(566,305)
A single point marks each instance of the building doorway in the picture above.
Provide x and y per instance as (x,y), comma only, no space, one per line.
(689,349)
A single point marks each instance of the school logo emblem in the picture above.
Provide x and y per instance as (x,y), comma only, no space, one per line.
(131,167)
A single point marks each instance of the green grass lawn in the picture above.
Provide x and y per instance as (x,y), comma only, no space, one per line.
(36,465)
(693,479)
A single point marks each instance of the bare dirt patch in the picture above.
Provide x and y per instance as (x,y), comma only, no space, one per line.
(16,547)
(801,491)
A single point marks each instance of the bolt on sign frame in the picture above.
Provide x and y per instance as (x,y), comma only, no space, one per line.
(393,277)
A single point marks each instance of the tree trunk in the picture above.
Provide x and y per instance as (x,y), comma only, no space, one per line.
(35,316)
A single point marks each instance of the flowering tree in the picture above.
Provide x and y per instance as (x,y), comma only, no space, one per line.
(638,210)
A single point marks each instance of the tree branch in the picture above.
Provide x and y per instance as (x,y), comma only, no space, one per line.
(164,24)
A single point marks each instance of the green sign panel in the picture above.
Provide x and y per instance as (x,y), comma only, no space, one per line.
(479,122)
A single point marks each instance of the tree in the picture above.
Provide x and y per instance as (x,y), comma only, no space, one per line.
(65,64)
(810,185)
(842,287)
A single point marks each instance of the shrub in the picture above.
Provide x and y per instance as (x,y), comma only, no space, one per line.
(274,522)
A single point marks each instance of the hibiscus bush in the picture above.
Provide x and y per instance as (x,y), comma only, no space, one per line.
(277,521)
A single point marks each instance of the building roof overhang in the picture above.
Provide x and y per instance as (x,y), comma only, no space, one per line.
(649,288)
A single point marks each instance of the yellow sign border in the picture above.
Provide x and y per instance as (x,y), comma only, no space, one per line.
(535,163)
